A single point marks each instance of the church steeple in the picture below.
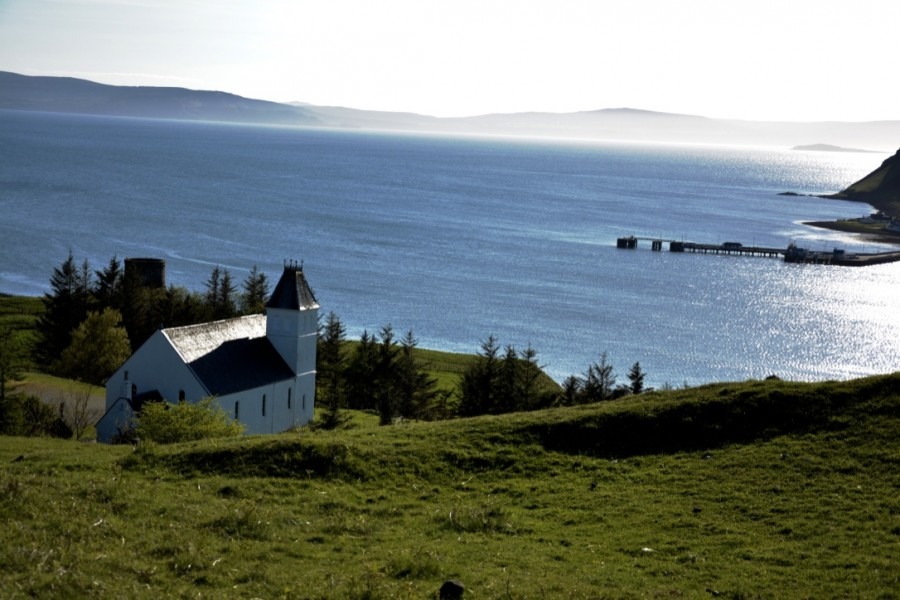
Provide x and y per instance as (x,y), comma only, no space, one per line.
(292,291)
(292,319)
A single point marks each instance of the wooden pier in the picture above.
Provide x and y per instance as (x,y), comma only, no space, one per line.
(734,248)
(791,254)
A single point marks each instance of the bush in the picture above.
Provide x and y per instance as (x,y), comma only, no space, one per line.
(166,423)
(30,416)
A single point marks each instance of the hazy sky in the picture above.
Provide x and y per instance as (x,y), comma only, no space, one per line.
(750,59)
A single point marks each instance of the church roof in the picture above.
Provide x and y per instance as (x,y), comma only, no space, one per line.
(231,355)
(292,291)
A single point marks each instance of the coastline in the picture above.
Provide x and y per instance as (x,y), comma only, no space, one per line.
(874,233)
(871,232)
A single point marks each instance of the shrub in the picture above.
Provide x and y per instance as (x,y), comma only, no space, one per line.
(30,416)
(166,423)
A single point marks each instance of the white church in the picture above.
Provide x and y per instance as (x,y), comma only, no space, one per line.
(261,369)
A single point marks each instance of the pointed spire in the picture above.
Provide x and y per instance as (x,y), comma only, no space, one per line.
(292,291)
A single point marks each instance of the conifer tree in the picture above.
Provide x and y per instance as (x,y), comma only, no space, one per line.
(599,381)
(108,289)
(385,380)
(212,288)
(479,381)
(636,378)
(227,306)
(571,390)
(415,387)
(65,307)
(529,377)
(361,373)
(330,388)
(507,397)
(255,292)
(220,294)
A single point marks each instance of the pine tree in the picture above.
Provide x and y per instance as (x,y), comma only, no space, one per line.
(507,397)
(360,374)
(636,378)
(227,306)
(415,387)
(108,288)
(529,377)
(330,371)
(65,307)
(212,289)
(599,381)
(220,294)
(256,292)
(385,382)
(572,390)
(479,381)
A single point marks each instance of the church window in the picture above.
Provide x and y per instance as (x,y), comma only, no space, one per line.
(264,405)
(237,410)
(289,398)
(181,395)
(304,401)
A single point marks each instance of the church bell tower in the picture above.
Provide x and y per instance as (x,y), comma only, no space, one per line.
(292,320)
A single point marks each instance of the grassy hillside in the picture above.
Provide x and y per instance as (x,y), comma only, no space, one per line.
(755,490)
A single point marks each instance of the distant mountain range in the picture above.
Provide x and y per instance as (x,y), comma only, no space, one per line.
(69,95)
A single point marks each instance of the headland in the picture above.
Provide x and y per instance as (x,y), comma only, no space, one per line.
(879,189)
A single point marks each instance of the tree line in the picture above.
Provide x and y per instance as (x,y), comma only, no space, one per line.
(92,320)
(381,373)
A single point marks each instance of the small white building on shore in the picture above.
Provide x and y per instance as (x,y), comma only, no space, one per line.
(260,368)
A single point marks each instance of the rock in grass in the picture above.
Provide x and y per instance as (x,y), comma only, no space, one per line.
(451,590)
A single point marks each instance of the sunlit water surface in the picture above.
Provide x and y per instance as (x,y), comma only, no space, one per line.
(459,238)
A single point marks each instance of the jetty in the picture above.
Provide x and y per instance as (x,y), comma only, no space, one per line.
(791,254)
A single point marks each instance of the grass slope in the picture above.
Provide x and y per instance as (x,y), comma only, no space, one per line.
(756,490)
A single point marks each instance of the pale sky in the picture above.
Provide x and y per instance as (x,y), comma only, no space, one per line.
(800,60)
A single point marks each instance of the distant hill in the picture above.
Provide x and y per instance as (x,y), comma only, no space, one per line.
(829,148)
(880,188)
(68,95)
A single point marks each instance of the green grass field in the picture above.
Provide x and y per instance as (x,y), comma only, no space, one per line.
(752,490)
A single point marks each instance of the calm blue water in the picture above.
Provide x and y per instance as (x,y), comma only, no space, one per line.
(458,238)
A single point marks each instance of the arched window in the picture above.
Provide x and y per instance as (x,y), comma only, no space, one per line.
(237,410)
(264,405)
(289,398)
(304,401)
(181,395)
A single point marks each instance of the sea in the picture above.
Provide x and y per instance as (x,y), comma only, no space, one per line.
(458,238)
